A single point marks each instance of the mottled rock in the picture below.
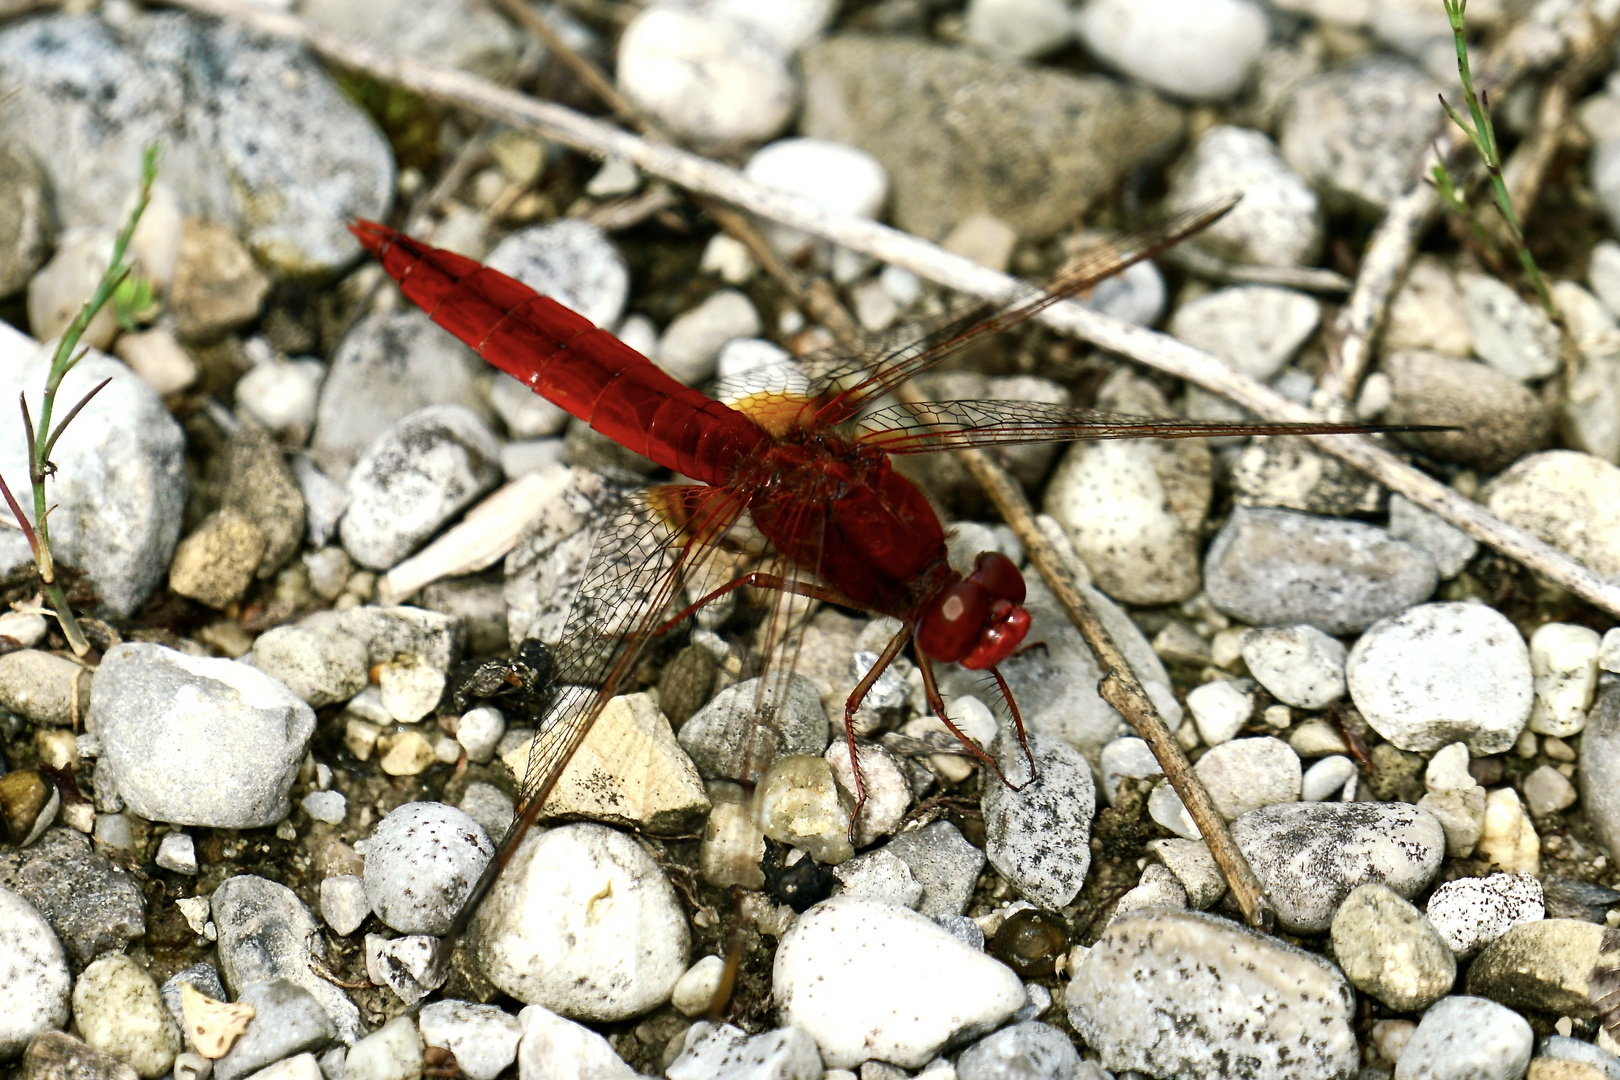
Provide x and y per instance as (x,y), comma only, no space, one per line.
(1544,965)
(1039,835)
(1568,499)
(1175,993)
(1389,950)
(1467,1036)
(34,991)
(1497,419)
(93,905)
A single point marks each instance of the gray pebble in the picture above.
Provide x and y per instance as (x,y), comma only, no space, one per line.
(941,858)
(1246,774)
(1026,1051)
(417,476)
(120,485)
(1599,769)
(479,731)
(573,262)
(321,668)
(1279,221)
(240,734)
(1254,328)
(1513,336)
(1358,132)
(879,876)
(1561,1048)
(392,1052)
(117,1009)
(1497,419)
(1271,567)
(328,806)
(1570,500)
(202,977)
(1443,673)
(963,929)
(27,227)
(721,1051)
(177,852)
(1309,856)
(93,905)
(421,863)
(287,1020)
(1177,993)
(1039,836)
(489,806)
(1389,951)
(1467,1037)
(387,367)
(1194,867)
(690,347)
(39,686)
(1447,545)
(724,738)
(264,932)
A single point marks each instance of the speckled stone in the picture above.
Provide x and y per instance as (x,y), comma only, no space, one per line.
(1467,1037)
(1179,993)
(1473,912)
(1544,966)
(421,862)
(1039,836)
(1310,855)
(34,979)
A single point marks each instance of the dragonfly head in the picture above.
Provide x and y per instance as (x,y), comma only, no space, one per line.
(978,620)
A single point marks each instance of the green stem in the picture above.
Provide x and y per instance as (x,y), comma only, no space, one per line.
(62,362)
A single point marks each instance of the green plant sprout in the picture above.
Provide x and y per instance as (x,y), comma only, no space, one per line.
(1482,133)
(42,440)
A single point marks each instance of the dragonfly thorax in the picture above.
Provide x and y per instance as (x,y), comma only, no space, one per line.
(976,621)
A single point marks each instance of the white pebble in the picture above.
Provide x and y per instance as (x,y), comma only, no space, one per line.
(1220,710)
(841,178)
(1298,665)
(707,79)
(328,806)
(694,991)
(392,1052)
(690,347)
(1326,778)
(484,1038)
(1246,774)
(34,994)
(1165,807)
(1021,29)
(421,862)
(1563,658)
(1470,913)
(1547,791)
(177,852)
(874,981)
(1199,49)
(479,731)
(343,903)
(1448,769)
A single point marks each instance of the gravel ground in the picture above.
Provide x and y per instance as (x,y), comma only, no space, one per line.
(234,834)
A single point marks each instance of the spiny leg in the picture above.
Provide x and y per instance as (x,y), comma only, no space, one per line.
(1018,722)
(937,703)
(858,695)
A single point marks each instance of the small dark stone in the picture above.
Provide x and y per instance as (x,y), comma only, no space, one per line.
(93,906)
(1396,775)
(799,886)
(23,794)
(687,683)
(1030,941)
(1566,898)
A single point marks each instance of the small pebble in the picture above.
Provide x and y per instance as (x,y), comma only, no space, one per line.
(1509,333)
(944,862)
(839,177)
(1220,710)
(1246,774)
(1389,951)
(724,1052)
(1279,221)
(1326,778)
(690,348)
(800,805)
(1298,665)
(1545,965)
(484,1038)
(177,852)
(1467,1037)
(1470,913)
(118,1010)
(879,876)
(479,731)
(1029,1049)
(1442,673)
(328,806)
(694,992)
(1194,867)
(1126,758)
(1449,547)
(1198,49)
(1546,791)
(392,1052)
(707,79)
(344,904)
(870,981)
(286,1020)
(1166,808)
(572,261)
(421,863)
(1563,658)
(1509,838)
(1568,499)
(1039,835)
(1309,856)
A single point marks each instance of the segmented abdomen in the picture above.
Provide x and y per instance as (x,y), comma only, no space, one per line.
(562,357)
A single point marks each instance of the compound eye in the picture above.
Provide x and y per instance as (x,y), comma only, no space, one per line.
(951,627)
(999,575)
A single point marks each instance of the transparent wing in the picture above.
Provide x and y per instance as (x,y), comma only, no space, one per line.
(954,425)
(641,558)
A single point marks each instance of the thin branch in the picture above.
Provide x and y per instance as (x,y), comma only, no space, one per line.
(929,261)
(1311,279)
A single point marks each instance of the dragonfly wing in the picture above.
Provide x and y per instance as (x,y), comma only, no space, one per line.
(906,361)
(956,425)
(641,558)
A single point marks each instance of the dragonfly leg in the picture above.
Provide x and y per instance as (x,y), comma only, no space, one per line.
(937,703)
(858,695)
(1018,722)
(758,580)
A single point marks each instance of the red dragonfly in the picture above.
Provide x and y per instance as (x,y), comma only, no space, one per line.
(806,457)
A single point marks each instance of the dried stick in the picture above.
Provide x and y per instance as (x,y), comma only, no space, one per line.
(930,261)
